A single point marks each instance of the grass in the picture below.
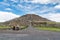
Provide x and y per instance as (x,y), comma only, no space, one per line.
(40,28)
(7,27)
(48,28)
(4,27)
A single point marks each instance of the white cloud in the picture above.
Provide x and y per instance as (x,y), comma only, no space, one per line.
(43,1)
(57,6)
(19,6)
(38,1)
(52,16)
(8,9)
(31,12)
(5,16)
(14,0)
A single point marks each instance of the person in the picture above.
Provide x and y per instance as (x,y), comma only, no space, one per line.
(13,28)
(17,27)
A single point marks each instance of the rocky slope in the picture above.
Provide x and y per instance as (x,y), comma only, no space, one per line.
(25,20)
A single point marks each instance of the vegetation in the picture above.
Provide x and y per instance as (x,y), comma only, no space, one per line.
(48,28)
(52,26)
(23,27)
(4,27)
(7,27)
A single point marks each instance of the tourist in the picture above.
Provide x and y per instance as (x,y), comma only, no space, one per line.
(17,27)
(13,28)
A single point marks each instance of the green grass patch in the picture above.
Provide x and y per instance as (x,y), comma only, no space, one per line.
(7,27)
(3,27)
(48,28)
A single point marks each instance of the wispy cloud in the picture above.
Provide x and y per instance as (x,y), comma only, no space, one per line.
(43,1)
(40,1)
(5,16)
(57,6)
(14,1)
(8,9)
(52,16)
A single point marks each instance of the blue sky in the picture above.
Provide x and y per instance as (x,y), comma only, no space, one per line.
(10,9)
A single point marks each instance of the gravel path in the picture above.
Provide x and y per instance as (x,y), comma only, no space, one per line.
(29,34)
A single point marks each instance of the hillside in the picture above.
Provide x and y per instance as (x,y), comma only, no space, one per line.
(25,20)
